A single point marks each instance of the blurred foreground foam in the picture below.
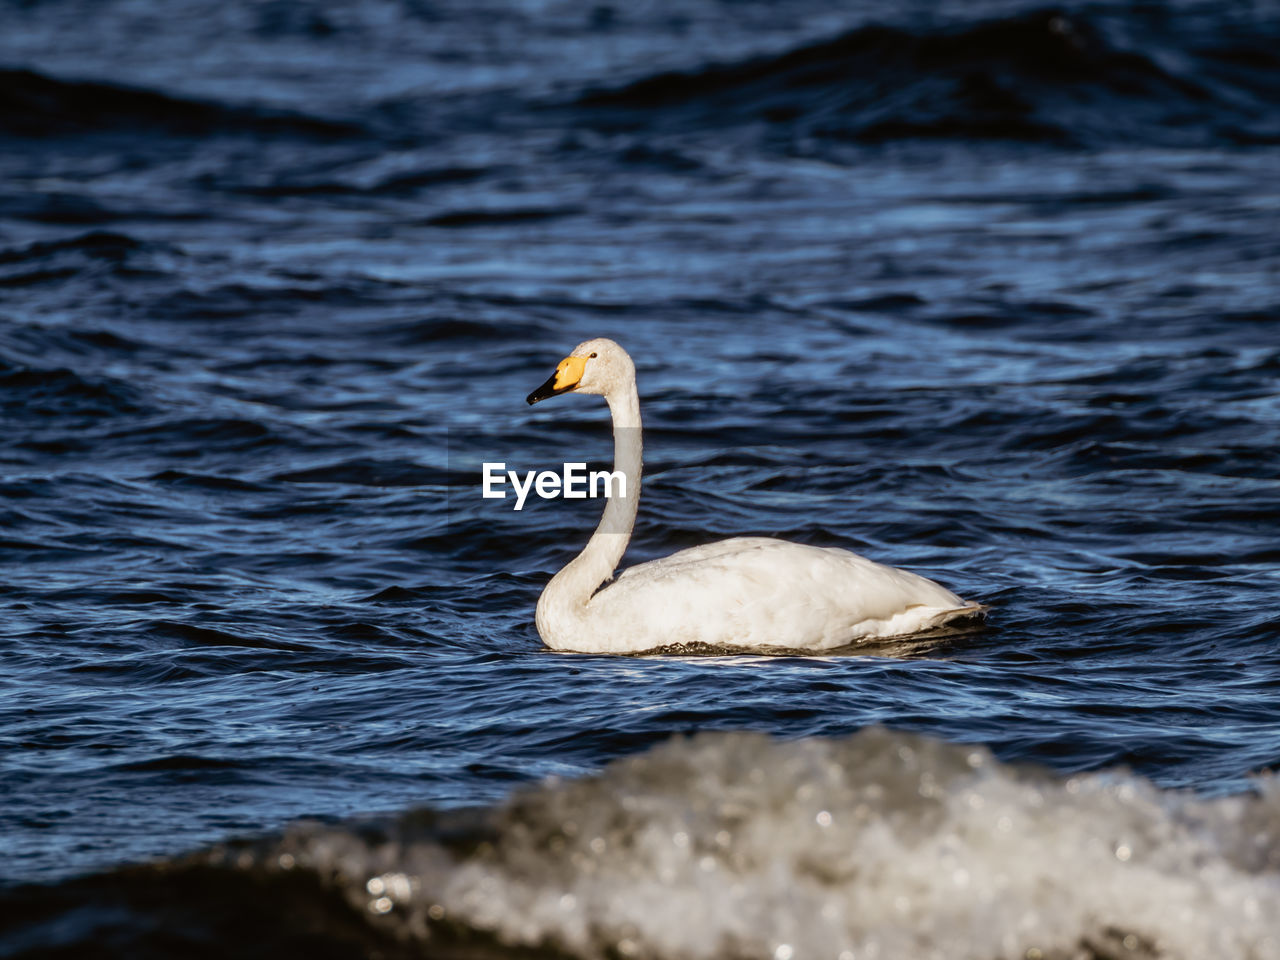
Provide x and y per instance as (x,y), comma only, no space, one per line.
(878,845)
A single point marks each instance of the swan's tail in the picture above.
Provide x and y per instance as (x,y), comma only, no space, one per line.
(971,610)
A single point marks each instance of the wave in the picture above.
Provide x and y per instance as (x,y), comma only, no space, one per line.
(93,255)
(501,216)
(35,105)
(731,844)
(34,393)
(400,184)
(98,244)
(367,473)
(1047,76)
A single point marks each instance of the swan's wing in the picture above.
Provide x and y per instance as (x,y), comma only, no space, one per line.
(701,553)
(757,591)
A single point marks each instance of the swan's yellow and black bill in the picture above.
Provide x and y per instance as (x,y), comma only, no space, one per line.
(568,373)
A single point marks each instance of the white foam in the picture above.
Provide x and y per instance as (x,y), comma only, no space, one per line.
(882,845)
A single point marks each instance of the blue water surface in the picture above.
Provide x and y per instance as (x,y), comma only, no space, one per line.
(983,291)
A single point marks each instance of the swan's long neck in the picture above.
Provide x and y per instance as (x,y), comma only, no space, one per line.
(566,596)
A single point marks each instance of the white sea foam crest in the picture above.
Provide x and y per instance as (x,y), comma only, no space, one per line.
(876,847)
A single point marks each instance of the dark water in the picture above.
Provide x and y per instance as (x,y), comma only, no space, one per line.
(989,291)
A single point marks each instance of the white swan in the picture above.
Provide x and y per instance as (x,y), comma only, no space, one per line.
(752,593)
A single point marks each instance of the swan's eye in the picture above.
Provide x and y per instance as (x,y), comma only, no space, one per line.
(592,357)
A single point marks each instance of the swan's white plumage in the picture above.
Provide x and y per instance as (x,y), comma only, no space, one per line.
(747,592)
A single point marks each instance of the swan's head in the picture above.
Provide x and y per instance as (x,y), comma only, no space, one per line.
(597,366)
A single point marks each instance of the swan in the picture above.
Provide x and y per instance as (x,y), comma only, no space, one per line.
(746,593)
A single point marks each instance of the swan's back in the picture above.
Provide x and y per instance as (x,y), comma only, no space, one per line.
(757,592)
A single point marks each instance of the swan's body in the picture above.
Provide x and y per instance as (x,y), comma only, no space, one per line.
(745,593)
